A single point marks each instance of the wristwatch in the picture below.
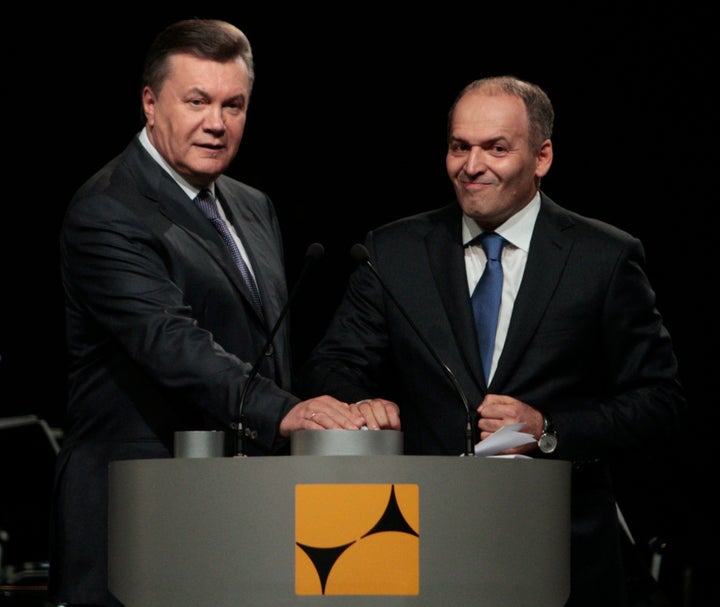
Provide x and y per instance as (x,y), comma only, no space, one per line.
(548,439)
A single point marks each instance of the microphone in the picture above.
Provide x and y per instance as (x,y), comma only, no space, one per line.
(313,253)
(360,254)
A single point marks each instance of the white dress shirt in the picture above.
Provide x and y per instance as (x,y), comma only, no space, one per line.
(517,232)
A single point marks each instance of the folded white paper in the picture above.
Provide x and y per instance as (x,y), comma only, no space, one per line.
(506,437)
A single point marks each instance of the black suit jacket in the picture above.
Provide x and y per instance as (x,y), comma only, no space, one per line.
(161,335)
(585,343)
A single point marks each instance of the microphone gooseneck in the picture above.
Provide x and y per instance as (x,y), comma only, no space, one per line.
(360,254)
(313,253)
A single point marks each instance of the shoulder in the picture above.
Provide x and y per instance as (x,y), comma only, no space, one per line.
(419,225)
(116,182)
(101,196)
(237,191)
(248,202)
(582,227)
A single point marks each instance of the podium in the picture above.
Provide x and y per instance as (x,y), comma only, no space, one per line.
(339,531)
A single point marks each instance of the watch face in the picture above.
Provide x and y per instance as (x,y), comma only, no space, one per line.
(547,443)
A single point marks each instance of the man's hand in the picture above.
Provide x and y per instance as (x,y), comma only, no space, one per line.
(379,414)
(328,413)
(498,410)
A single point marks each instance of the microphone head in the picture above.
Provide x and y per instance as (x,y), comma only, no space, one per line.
(315,251)
(359,253)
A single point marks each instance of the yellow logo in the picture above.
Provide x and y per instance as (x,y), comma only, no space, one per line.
(357,539)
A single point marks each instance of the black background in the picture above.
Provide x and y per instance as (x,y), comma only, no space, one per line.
(346,130)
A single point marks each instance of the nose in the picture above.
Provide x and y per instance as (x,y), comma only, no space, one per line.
(475,162)
(214,118)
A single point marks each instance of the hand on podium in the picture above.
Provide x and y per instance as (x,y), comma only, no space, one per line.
(326,412)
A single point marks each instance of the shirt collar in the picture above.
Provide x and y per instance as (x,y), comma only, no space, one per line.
(517,230)
(190,190)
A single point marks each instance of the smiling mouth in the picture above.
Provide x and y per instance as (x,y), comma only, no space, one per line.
(471,184)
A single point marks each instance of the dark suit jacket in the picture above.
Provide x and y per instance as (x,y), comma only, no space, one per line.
(585,344)
(161,334)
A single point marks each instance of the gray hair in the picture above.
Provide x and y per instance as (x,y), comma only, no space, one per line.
(540,113)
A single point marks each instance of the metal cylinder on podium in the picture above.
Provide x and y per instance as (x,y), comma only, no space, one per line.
(346,442)
(199,443)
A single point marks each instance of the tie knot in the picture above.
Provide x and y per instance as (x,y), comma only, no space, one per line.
(492,244)
(205,201)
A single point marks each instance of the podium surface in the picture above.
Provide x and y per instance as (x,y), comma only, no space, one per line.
(340,531)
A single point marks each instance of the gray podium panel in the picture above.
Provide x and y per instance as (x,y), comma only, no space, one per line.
(220,532)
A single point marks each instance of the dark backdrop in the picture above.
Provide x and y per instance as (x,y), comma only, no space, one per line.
(346,130)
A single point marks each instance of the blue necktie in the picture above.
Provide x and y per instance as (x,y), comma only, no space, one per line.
(206,203)
(486,298)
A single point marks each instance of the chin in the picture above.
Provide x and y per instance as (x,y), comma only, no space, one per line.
(474,207)
(208,170)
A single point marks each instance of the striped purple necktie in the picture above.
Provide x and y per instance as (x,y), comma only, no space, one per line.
(206,203)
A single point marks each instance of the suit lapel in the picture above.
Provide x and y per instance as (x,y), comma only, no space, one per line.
(181,211)
(447,263)
(252,242)
(157,185)
(550,248)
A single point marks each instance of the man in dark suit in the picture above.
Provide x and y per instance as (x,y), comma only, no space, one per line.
(581,355)
(162,326)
